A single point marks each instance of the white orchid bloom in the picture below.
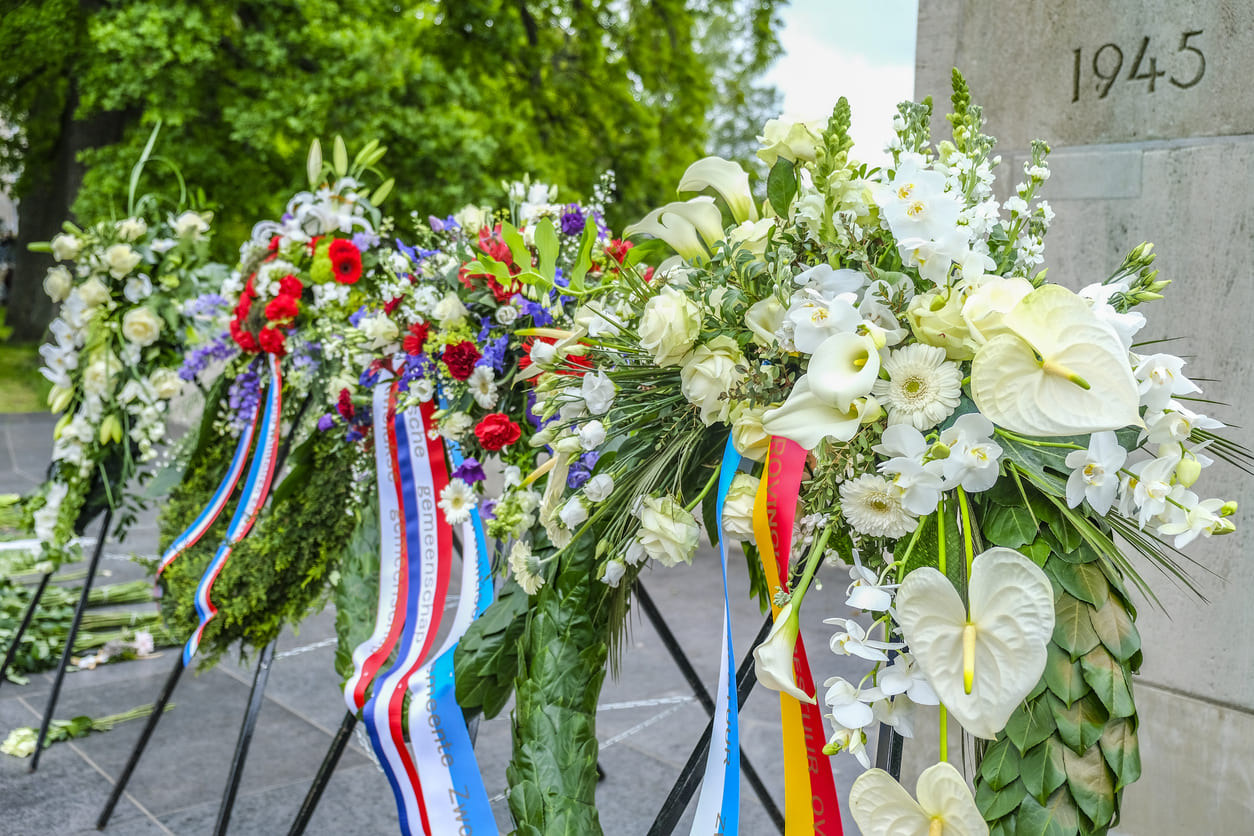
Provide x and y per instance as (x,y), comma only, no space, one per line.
(1159,377)
(853,641)
(973,455)
(728,179)
(1095,472)
(815,318)
(847,704)
(945,807)
(865,592)
(905,677)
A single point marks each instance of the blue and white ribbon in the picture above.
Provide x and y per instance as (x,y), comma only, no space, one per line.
(718,808)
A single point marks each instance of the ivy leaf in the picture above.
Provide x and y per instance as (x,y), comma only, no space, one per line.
(781,186)
(1081,724)
(356,594)
(1073,631)
(1064,676)
(1011,526)
(1115,629)
(1043,769)
(1109,682)
(1122,751)
(1083,580)
(1090,784)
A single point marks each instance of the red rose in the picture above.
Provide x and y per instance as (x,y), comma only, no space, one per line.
(344,405)
(272,341)
(345,261)
(460,359)
(496,431)
(282,309)
(290,286)
(416,338)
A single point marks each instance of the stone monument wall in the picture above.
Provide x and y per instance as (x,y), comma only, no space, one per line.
(1149,109)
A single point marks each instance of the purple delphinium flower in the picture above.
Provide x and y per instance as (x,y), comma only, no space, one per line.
(365,240)
(221,347)
(413,368)
(573,220)
(581,471)
(369,377)
(435,223)
(306,356)
(356,316)
(538,313)
(494,354)
(485,328)
(207,304)
(487,509)
(469,471)
(243,396)
(326,422)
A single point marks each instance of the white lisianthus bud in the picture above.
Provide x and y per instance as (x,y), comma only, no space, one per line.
(93,293)
(599,487)
(713,370)
(592,435)
(568,444)
(614,571)
(132,229)
(141,326)
(57,283)
(450,311)
(166,383)
(668,533)
(669,325)
(738,507)
(65,247)
(121,259)
(573,513)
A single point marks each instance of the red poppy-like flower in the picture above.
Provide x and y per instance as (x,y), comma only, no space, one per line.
(416,338)
(282,309)
(617,249)
(496,431)
(290,286)
(272,341)
(345,261)
(461,358)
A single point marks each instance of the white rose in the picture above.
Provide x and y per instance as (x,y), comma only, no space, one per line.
(599,487)
(573,513)
(138,288)
(988,304)
(709,374)
(166,383)
(132,229)
(738,508)
(794,141)
(93,292)
(190,225)
(57,283)
(614,571)
(98,376)
(506,314)
(379,329)
(750,439)
(592,435)
(141,326)
(450,311)
(668,533)
(669,325)
(764,318)
(121,259)
(65,247)
(472,218)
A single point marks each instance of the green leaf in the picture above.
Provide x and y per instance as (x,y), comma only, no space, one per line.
(1091,784)
(1064,676)
(1081,724)
(1038,550)
(1043,769)
(1115,629)
(781,186)
(1083,580)
(994,804)
(1011,526)
(339,156)
(1057,817)
(486,659)
(517,246)
(1000,764)
(1109,682)
(381,193)
(1073,630)
(583,260)
(1122,750)
(1030,723)
(547,248)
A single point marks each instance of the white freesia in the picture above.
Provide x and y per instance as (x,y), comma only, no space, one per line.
(141,326)
(121,259)
(1095,472)
(93,293)
(945,807)
(709,374)
(983,664)
(668,533)
(669,326)
(65,247)
(1081,382)
(57,283)
(599,487)
(738,507)
(773,658)
(728,179)
(614,571)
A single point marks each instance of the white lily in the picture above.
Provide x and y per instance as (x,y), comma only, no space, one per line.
(728,179)
(945,807)
(773,658)
(983,664)
(1058,370)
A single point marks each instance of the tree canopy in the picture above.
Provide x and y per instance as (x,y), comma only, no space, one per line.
(463,92)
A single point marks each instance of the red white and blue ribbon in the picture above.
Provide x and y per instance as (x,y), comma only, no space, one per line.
(718,807)
(423,476)
(256,489)
(453,791)
(370,655)
(217,503)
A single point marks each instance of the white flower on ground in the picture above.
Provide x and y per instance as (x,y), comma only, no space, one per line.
(853,641)
(121,259)
(923,388)
(592,435)
(482,385)
(138,288)
(973,455)
(614,571)
(669,326)
(599,487)
(1095,472)
(57,283)
(65,247)
(738,507)
(903,676)
(573,513)
(872,506)
(1159,378)
(457,500)
(143,643)
(525,567)
(597,391)
(710,373)
(668,533)
(847,703)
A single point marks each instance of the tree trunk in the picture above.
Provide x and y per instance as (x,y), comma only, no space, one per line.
(45,204)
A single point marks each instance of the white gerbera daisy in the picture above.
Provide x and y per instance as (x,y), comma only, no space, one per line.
(872,505)
(456,501)
(482,384)
(526,568)
(923,387)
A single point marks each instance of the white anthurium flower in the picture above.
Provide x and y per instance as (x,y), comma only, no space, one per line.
(1159,377)
(984,663)
(945,807)
(905,677)
(853,641)
(1095,472)
(728,179)
(1081,382)
(772,659)
(688,227)
(847,704)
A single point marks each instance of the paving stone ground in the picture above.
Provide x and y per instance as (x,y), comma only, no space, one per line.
(648,721)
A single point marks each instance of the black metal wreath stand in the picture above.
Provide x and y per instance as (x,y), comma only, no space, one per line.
(36,597)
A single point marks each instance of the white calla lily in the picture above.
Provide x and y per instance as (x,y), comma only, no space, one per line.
(689,227)
(945,807)
(842,368)
(981,665)
(807,419)
(728,179)
(1056,370)
(773,658)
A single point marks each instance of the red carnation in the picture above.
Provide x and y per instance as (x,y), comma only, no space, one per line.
(282,309)
(345,261)
(290,286)
(344,405)
(272,341)
(461,358)
(496,431)
(243,339)
(416,338)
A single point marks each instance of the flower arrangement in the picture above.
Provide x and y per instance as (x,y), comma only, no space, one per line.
(977,445)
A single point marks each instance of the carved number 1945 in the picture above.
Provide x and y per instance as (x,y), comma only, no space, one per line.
(1108,62)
